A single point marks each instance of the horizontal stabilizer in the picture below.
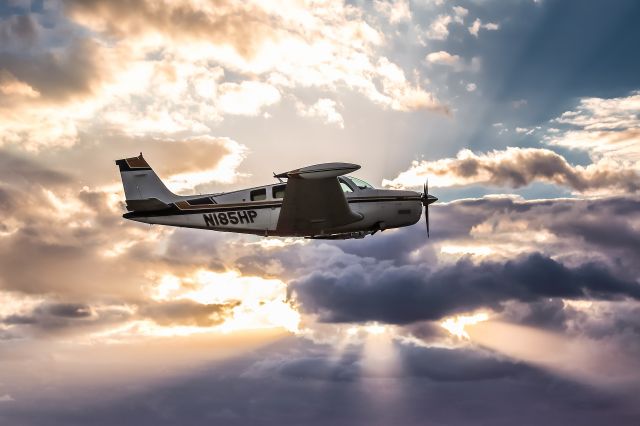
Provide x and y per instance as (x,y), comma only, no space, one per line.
(320,171)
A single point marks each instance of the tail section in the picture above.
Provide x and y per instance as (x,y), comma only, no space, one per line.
(142,187)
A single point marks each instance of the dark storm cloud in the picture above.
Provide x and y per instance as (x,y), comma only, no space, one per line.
(407,294)
(614,233)
(492,221)
(550,313)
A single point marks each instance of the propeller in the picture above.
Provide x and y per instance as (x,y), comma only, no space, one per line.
(426,200)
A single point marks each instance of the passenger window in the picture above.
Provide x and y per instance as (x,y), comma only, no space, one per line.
(259,194)
(200,201)
(278,191)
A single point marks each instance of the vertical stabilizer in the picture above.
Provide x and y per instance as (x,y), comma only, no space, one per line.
(142,187)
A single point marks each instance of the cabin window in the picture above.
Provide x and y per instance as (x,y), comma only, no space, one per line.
(259,194)
(278,191)
(200,201)
(344,185)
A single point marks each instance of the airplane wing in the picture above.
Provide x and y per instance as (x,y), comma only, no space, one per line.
(314,200)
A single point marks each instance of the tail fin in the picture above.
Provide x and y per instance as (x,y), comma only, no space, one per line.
(142,187)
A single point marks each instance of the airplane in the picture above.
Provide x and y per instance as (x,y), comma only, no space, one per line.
(318,202)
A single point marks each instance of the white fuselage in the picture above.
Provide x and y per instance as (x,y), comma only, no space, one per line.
(257,211)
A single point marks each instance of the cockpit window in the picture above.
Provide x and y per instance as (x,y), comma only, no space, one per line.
(360,183)
(344,185)
(278,191)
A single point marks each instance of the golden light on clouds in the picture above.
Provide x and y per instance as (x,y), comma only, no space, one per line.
(223,171)
(261,302)
(472,249)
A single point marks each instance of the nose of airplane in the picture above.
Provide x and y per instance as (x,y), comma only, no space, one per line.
(430,199)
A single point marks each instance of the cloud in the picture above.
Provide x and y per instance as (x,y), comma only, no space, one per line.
(459,13)
(183,164)
(244,28)
(518,167)
(49,319)
(11,86)
(23,28)
(21,170)
(75,71)
(474,29)
(605,128)
(179,69)
(406,294)
(6,398)
(246,98)
(312,36)
(300,377)
(396,10)
(439,28)
(400,95)
(185,312)
(444,58)
(48,94)
(457,365)
(437,364)
(324,109)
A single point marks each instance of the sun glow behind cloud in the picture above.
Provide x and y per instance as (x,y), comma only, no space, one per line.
(456,325)
(262,303)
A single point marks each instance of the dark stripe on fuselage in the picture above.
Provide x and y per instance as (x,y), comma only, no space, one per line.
(183,208)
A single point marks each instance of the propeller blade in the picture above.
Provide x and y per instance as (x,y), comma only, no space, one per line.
(426,215)
(425,202)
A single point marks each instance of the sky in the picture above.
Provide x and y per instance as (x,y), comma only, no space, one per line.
(522,308)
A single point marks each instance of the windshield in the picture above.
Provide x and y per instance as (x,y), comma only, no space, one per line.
(360,183)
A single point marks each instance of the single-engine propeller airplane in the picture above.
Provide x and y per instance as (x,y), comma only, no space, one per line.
(315,202)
